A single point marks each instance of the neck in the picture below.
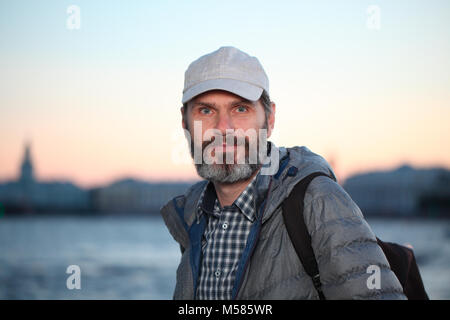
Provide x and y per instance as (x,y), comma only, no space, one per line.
(227,193)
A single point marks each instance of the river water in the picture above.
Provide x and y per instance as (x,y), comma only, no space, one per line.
(136,258)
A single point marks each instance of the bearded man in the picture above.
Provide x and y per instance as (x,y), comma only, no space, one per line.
(233,239)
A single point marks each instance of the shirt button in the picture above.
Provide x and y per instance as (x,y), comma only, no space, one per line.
(225,226)
(217,273)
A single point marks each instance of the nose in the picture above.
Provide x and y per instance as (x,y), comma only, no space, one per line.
(224,122)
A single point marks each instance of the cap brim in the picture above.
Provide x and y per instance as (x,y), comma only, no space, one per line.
(243,89)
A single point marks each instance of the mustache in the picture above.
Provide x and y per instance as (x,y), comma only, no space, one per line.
(226,139)
(229,140)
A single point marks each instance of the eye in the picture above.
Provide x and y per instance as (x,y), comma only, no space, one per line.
(241,109)
(205,110)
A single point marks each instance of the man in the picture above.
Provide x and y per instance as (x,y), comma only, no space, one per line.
(229,226)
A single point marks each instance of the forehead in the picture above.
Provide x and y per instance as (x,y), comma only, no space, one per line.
(219,97)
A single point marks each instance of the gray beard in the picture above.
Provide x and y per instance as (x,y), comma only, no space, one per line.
(226,173)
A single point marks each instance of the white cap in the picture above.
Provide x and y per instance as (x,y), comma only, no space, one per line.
(228,69)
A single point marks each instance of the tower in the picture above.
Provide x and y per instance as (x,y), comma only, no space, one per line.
(26,169)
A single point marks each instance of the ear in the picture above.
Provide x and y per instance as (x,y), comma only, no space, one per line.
(271,120)
(183,123)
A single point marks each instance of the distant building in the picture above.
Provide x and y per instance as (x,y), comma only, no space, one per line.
(402,192)
(135,196)
(28,195)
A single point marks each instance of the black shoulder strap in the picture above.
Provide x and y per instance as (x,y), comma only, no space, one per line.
(295,224)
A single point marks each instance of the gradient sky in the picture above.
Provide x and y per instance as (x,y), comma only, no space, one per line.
(102,102)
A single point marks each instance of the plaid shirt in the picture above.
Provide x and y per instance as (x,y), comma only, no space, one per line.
(223,242)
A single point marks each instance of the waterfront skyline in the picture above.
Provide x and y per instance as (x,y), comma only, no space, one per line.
(102,102)
(405,191)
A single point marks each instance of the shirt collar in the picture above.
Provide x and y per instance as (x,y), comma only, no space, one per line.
(245,202)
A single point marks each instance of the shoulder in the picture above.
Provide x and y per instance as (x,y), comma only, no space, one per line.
(327,203)
(322,187)
(177,215)
(193,191)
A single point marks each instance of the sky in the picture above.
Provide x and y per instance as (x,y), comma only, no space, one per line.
(367,90)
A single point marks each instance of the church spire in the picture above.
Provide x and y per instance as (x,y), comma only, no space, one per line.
(26,172)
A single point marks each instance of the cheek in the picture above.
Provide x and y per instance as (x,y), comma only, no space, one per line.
(206,129)
(197,124)
(255,122)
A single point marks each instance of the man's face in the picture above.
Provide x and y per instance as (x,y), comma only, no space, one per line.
(223,113)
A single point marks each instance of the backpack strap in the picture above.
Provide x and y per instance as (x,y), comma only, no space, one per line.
(292,208)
